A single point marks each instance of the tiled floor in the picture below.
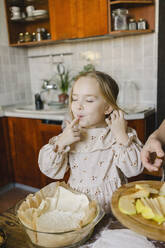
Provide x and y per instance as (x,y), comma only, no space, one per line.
(11,197)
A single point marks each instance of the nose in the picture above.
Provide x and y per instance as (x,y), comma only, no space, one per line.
(80,106)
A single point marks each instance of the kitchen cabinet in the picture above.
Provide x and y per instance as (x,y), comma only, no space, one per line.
(27,136)
(76,19)
(6,175)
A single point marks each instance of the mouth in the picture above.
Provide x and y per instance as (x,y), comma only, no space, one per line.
(80,116)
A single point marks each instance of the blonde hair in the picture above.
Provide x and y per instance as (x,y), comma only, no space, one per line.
(108,87)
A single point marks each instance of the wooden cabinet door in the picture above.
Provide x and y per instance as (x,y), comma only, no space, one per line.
(78,18)
(23,134)
(63,19)
(92,18)
(27,136)
(48,131)
(5,158)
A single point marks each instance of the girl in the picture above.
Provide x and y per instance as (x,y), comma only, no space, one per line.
(96,145)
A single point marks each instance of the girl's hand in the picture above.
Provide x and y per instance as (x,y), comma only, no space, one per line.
(118,126)
(70,135)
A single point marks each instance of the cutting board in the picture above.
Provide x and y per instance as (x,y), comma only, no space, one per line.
(137,223)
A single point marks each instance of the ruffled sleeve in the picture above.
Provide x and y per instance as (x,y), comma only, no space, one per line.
(128,156)
(52,163)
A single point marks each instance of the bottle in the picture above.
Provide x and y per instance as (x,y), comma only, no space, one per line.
(38,102)
(33,36)
(21,38)
(38,35)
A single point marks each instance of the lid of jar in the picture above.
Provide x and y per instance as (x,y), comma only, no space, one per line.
(120,11)
(132,20)
(141,20)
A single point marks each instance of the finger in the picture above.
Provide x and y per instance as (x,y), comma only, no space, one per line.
(150,167)
(67,123)
(74,122)
(121,113)
(158,162)
(76,134)
(113,116)
(76,139)
(108,121)
(159,151)
(75,128)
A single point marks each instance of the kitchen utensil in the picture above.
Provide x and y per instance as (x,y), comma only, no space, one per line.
(136,222)
(15,13)
(39,12)
(29,10)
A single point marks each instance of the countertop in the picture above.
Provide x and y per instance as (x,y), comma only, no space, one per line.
(13,111)
(16,236)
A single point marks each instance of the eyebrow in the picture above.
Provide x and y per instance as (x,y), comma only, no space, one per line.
(84,95)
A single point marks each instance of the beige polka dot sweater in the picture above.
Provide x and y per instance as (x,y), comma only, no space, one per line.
(98,164)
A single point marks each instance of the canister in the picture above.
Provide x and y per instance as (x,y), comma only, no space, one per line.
(132,25)
(142,24)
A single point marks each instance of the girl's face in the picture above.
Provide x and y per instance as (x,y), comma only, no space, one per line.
(88,104)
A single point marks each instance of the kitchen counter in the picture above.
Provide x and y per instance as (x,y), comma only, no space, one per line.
(14,111)
(1,112)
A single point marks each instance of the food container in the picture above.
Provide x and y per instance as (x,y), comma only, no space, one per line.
(69,238)
(142,24)
(120,19)
(132,24)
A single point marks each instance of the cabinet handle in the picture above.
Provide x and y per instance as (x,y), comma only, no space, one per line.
(52,122)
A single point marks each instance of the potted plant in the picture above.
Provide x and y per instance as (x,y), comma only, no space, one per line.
(63,82)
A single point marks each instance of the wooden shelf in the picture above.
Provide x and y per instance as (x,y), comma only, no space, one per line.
(33,43)
(130,32)
(31,19)
(113,34)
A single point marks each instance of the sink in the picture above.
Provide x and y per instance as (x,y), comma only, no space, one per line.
(47,110)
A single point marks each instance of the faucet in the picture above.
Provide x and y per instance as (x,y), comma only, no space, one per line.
(48,85)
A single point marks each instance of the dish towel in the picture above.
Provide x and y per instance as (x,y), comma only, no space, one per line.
(120,238)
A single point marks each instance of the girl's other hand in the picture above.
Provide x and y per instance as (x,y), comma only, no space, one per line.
(70,135)
(118,126)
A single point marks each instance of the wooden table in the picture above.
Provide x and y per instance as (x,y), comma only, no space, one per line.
(17,238)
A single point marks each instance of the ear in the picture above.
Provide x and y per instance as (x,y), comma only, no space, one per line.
(108,110)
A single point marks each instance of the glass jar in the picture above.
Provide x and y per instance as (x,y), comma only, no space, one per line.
(21,38)
(142,24)
(120,19)
(33,36)
(132,25)
(130,96)
(28,37)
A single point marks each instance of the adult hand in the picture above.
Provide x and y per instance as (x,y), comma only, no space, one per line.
(152,154)
(118,126)
(70,135)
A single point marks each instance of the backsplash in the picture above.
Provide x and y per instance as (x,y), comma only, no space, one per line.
(132,58)
(14,70)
